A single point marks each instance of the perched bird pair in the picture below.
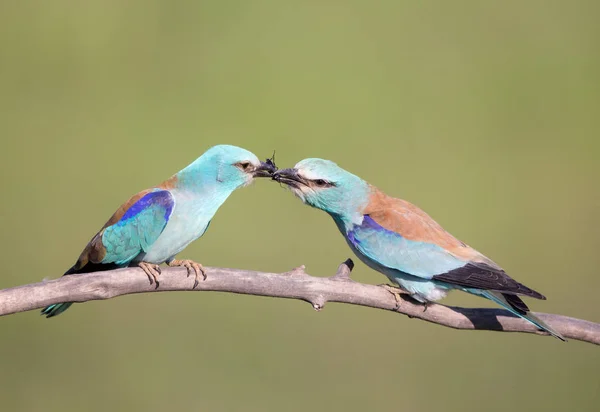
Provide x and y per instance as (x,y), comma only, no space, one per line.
(389,235)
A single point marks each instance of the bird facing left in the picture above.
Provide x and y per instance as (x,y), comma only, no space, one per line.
(153,226)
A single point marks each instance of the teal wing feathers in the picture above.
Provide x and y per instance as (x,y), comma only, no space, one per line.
(138,228)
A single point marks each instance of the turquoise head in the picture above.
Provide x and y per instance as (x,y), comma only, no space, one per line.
(324,185)
(225,167)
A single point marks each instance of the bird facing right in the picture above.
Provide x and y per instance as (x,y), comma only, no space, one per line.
(153,226)
(404,243)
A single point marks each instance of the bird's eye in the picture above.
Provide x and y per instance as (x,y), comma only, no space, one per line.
(321,182)
(244,165)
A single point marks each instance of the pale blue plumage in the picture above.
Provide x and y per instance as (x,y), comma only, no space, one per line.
(156,224)
(421,259)
(201,189)
(409,264)
(401,241)
(166,221)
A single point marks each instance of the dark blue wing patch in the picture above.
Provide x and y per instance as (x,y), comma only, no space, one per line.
(160,198)
(138,228)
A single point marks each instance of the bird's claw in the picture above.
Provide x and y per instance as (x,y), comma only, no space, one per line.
(152,271)
(396,292)
(190,265)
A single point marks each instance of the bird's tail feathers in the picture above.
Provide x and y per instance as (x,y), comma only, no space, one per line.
(55,309)
(58,308)
(517,307)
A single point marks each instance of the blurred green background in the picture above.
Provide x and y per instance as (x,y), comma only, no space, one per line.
(485,114)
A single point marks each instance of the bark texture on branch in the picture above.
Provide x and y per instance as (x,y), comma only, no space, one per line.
(295,284)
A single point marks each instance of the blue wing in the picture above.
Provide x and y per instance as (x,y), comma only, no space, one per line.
(388,252)
(429,261)
(391,250)
(138,228)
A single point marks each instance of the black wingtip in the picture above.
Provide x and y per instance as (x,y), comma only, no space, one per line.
(525,291)
(485,277)
(516,303)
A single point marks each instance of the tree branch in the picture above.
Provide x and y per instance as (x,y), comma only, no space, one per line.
(295,284)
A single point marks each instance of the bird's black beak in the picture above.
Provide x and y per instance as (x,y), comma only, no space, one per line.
(289,177)
(266,169)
